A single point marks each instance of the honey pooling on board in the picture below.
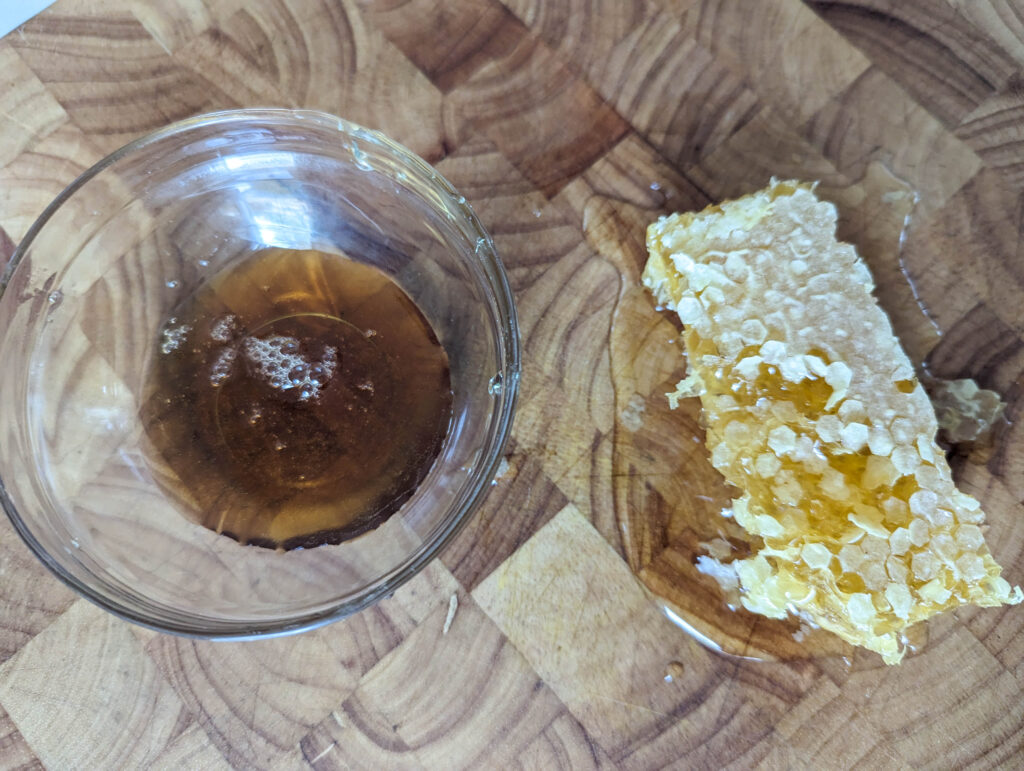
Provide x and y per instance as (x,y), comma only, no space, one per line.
(297,398)
(813,411)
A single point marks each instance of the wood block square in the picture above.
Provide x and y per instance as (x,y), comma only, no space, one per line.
(819,728)
(173,23)
(645,359)
(356,739)
(995,130)
(459,38)
(566,400)
(582,30)
(939,284)
(319,55)
(791,58)
(565,591)
(521,500)
(112,78)
(740,740)
(478,169)
(766,146)
(191,749)
(556,430)
(613,202)
(546,120)
(908,705)
(981,222)
(530,234)
(564,744)
(31,598)
(545,243)
(428,705)
(943,60)
(979,345)
(875,119)
(633,173)
(1000,20)
(61,703)
(272,690)
(239,59)
(589,484)
(570,347)
(30,182)
(1002,633)
(751,708)
(646,65)
(14,749)
(28,112)
(568,307)
(677,94)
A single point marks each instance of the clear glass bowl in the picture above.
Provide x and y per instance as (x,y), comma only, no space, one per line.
(80,307)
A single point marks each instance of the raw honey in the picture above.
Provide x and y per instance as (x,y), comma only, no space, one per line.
(297,398)
(815,416)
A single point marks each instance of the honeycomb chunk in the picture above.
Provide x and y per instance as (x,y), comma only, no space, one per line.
(813,411)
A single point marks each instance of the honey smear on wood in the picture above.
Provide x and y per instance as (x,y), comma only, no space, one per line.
(297,398)
(814,413)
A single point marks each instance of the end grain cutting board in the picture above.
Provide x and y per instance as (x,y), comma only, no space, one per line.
(569,125)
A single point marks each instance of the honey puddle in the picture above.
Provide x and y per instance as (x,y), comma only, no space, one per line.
(669,498)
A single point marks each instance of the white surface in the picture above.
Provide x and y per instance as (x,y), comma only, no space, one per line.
(14,13)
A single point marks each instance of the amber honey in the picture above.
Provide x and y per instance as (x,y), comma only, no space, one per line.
(814,414)
(298,398)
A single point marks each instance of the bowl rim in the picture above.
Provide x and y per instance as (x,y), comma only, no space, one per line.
(509,350)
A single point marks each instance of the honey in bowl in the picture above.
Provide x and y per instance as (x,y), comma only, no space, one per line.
(297,398)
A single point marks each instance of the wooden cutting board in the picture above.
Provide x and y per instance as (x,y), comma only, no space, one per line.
(569,125)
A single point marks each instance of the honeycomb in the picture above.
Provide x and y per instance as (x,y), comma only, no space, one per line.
(814,413)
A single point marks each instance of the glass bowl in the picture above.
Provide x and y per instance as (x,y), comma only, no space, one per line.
(81,304)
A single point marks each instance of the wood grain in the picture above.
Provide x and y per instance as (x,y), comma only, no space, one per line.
(37,176)
(110,75)
(645,64)
(911,141)
(993,130)
(569,126)
(272,691)
(14,749)
(449,710)
(58,704)
(30,598)
(29,110)
(947,63)
(793,60)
